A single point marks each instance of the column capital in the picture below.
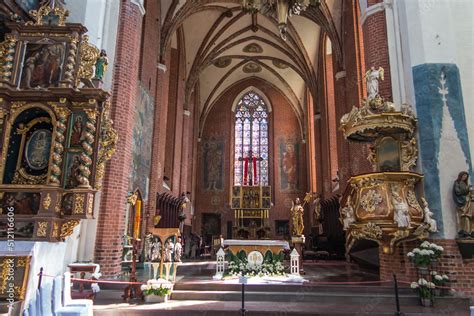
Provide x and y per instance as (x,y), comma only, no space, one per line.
(140,5)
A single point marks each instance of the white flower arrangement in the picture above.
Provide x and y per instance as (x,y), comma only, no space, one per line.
(158,287)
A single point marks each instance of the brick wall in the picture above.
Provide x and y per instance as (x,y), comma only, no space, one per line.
(111,221)
(348,91)
(376,48)
(459,270)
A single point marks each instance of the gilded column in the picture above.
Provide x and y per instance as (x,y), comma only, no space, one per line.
(58,149)
(88,142)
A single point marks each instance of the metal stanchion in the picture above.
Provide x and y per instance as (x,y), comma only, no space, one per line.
(397,300)
(243,281)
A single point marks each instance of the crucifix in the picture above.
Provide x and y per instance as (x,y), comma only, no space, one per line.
(250,169)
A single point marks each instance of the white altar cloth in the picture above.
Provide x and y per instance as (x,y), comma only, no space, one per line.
(261,242)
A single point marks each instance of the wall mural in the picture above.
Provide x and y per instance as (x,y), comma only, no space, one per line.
(289,165)
(42,66)
(142,143)
(213,164)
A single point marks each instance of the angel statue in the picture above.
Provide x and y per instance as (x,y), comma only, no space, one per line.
(372,77)
(297,212)
(348,216)
(429,220)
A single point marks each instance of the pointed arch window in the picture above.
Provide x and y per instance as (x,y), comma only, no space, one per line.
(251,140)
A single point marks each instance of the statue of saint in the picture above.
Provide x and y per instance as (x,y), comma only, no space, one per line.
(297,212)
(429,220)
(76,134)
(101,65)
(402,215)
(167,257)
(74,172)
(462,194)
(148,247)
(347,213)
(317,208)
(156,251)
(178,250)
(372,77)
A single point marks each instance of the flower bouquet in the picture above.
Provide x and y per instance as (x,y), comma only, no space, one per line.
(437,250)
(421,258)
(425,291)
(439,280)
(157,291)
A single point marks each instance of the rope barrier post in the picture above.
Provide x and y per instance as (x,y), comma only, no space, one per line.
(397,300)
(243,281)
(40,277)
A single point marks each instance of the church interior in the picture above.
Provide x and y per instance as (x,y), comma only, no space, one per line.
(159,156)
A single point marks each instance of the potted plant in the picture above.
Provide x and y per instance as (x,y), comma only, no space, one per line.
(424,290)
(421,258)
(156,291)
(440,281)
(437,250)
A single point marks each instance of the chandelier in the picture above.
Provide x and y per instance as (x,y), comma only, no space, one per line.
(280,9)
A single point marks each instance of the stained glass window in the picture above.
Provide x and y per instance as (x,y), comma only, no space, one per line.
(251,139)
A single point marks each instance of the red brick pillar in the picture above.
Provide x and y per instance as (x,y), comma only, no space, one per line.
(111,221)
(374,28)
(159,134)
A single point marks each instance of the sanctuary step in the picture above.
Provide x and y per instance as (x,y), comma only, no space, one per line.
(280,303)
(195,293)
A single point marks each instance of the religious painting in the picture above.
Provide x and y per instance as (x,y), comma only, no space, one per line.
(15,271)
(28,5)
(213,165)
(266,203)
(251,197)
(388,155)
(289,166)
(23,203)
(77,128)
(142,143)
(282,228)
(42,66)
(20,229)
(72,170)
(38,148)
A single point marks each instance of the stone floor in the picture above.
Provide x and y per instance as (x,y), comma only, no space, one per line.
(331,288)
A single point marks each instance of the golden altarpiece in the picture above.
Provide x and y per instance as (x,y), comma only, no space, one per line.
(385,206)
(54,125)
(251,205)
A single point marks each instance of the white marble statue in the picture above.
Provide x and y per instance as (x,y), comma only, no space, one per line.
(348,216)
(178,251)
(429,220)
(156,251)
(372,77)
(402,216)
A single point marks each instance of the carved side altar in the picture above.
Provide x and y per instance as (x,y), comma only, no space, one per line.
(54,125)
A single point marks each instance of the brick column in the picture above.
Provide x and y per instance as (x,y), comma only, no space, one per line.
(374,28)
(159,135)
(111,221)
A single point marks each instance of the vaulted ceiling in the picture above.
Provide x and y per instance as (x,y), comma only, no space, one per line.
(223,46)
